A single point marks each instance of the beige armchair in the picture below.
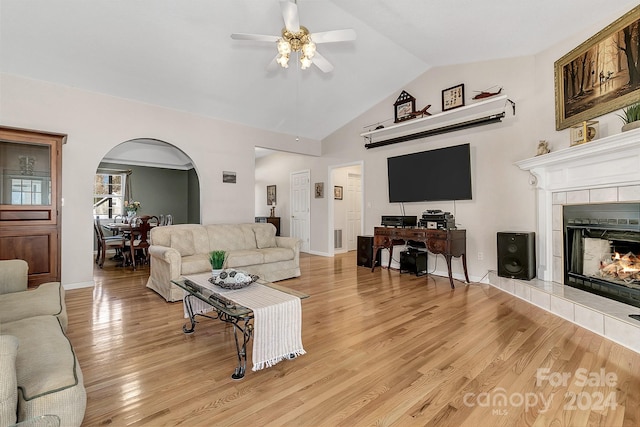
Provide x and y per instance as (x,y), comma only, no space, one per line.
(41,383)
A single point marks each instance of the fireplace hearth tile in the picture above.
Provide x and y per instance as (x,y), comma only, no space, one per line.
(589,319)
(620,332)
(601,315)
(523,291)
(562,308)
(541,298)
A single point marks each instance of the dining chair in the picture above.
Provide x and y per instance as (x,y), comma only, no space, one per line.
(138,238)
(168,219)
(105,243)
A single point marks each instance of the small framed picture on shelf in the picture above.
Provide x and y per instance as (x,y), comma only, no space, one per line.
(337,192)
(453,97)
(584,132)
(404,106)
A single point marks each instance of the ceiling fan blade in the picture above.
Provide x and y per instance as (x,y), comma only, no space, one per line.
(254,37)
(322,63)
(273,65)
(334,36)
(290,15)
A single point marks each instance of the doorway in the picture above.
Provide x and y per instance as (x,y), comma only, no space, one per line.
(345,213)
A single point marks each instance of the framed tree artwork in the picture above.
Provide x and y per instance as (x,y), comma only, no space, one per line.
(601,75)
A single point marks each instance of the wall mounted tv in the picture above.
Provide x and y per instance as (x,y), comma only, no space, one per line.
(435,175)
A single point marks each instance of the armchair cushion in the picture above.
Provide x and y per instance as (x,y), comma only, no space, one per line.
(46,299)
(48,373)
(13,275)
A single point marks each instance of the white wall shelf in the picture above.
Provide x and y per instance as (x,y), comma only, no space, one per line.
(479,113)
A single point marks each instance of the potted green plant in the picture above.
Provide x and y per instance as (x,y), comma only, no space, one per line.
(631,117)
(216,259)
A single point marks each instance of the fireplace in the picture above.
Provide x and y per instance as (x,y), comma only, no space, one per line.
(602,249)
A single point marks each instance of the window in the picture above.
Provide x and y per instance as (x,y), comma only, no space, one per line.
(108,194)
(30,191)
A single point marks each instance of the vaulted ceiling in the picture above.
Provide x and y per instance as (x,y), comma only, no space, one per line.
(179,54)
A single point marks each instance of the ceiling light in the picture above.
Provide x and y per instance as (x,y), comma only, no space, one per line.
(295,42)
(305,62)
(283,60)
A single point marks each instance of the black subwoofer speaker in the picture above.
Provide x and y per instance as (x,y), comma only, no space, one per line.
(365,252)
(413,261)
(517,255)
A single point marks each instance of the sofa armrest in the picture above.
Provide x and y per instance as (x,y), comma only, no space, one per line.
(164,253)
(288,242)
(166,263)
(13,276)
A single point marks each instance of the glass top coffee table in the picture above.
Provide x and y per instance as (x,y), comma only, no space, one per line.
(227,311)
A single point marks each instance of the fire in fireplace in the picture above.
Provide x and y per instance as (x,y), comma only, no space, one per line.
(602,249)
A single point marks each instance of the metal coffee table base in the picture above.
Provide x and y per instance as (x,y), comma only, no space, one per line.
(242,331)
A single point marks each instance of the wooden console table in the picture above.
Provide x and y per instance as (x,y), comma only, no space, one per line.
(450,243)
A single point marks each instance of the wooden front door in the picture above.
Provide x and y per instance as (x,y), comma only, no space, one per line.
(30,201)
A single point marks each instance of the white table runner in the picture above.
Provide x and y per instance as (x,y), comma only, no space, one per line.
(277,319)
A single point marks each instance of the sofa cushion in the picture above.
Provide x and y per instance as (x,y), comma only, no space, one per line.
(265,236)
(47,298)
(244,257)
(195,264)
(8,380)
(48,373)
(182,241)
(231,237)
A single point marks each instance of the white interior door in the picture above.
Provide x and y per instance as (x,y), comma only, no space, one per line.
(354,210)
(300,215)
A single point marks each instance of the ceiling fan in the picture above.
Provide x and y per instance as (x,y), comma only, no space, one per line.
(296,38)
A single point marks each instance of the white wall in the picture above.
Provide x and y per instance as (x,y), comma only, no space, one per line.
(96,123)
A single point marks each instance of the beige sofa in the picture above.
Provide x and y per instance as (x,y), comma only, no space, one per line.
(183,249)
(39,372)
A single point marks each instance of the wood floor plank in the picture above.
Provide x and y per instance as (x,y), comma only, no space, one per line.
(383,348)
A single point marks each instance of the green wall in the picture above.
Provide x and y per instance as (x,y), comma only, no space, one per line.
(164,191)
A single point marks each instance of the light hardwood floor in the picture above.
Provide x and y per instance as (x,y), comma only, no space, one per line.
(383,348)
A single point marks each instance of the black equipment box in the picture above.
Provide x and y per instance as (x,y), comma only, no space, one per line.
(437,220)
(413,261)
(399,221)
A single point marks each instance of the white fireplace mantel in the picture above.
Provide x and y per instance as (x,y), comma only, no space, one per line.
(604,170)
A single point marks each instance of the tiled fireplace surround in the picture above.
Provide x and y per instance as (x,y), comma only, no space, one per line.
(602,171)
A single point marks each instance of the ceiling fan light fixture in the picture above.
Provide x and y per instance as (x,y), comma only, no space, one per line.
(297,38)
(284,47)
(305,62)
(283,60)
(309,49)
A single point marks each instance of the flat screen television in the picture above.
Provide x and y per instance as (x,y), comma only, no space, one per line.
(434,175)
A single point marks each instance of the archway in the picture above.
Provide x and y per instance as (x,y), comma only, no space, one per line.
(154,173)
